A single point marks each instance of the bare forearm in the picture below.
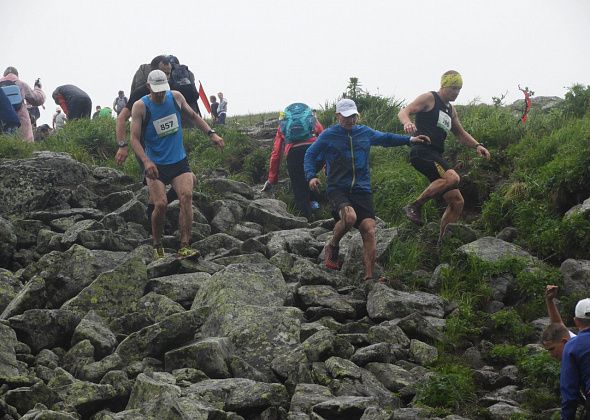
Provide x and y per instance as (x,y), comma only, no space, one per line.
(553,312)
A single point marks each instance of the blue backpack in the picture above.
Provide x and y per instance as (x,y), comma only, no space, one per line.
(12,91)
(298,123)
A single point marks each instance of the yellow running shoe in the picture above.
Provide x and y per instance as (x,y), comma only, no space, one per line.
(159,252)
(187,252)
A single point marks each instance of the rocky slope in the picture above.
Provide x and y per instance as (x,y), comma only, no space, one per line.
(93,328)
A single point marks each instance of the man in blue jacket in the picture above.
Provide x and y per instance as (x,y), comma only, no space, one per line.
(345,148)
(575,364)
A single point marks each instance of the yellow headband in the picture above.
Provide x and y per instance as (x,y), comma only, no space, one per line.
(451,80)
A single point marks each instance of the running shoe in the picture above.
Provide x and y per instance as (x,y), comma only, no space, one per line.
(159,252)
(331,257)
(187,252)
(412,212)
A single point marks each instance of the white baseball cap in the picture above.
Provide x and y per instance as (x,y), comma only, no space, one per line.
(583,309)
(346,107)
(158,81)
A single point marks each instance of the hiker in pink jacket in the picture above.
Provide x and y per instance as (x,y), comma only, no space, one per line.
(34,97)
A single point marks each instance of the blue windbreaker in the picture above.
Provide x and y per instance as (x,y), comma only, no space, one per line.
(346,154)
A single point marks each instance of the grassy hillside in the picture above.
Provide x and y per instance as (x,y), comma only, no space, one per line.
(537,173)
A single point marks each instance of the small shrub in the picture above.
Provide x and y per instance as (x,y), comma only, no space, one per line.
(451,387)
(540,370)
(506,354)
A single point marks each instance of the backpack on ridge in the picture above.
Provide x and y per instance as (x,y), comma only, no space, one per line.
(180,80)
(298,123)
(12,91)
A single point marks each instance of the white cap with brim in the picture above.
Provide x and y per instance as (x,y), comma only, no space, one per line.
(158,81)
(346,107)
(583,309)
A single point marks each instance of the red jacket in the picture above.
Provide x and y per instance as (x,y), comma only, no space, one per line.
(275,156)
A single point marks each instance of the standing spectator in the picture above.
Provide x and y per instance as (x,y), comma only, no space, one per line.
(222,109)
(120,102)
(574,376)
(296,132)
(74,102)
(214,106)
(9,121)
(59,119)
(435,118)
(96,112)
(33,97)
(345,148)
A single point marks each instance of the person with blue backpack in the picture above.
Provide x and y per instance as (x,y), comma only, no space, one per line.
(9,121)
(344,148)
(297,130)
(20,94)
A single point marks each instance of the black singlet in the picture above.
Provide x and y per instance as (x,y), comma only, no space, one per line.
(435,123)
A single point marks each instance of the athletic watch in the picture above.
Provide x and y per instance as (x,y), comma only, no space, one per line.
(211,131)
(122,143)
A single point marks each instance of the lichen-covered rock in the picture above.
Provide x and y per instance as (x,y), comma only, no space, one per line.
(181,288)
(157,339)
(8,241)
(8,362)
(45,328)
(490,249)
(113,293)
(9,287)
(576,275)
(386,303)
(25,398)
(249,284)
(85,397)
(29,184)
(393,377)
(273,215)
(422,353)
(158,307)
(93,328)
(210,355)
(325,344)
(308,395)
(238,394)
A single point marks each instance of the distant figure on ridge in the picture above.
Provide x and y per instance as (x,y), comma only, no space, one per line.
(96,112)
(436,117)
(59,119)
(20,94)
(120,102)
(222,109)
(214,107)
(297,130)
(74,102)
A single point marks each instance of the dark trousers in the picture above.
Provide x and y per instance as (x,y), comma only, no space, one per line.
(299,185)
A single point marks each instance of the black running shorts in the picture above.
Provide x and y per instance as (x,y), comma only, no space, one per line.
(428,162)
(166,173)
(362,203)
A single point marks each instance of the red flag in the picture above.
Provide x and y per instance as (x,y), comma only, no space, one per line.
(204,98)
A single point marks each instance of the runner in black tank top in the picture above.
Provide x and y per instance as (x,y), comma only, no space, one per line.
(435,117)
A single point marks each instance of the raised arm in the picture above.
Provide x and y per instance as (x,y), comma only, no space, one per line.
(552,311)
